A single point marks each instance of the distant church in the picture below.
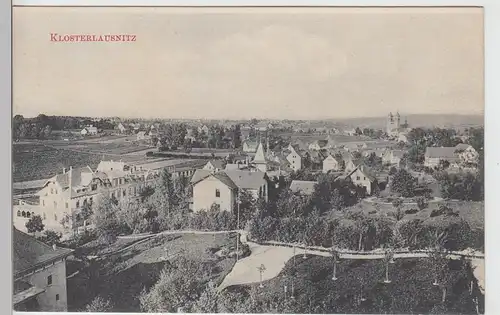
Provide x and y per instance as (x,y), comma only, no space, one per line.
(395,129)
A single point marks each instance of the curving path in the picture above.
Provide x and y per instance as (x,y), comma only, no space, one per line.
(274,257)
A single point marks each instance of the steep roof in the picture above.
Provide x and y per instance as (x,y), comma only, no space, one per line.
(247,179)
(441,152)
(303,187)
(462,146)
(225,179)
(200,175)
(217,164)
(79,177)
(259,155)
(365,170)
(30,253)
(242,179)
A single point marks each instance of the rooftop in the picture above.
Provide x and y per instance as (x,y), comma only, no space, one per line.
(303,187)
(237,178)
(441,152)
(31,253)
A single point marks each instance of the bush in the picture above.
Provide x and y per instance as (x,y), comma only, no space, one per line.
(212,250)
(99,304)
(77,240)
(411,211)
(50,237)
(436,213)
(422,203)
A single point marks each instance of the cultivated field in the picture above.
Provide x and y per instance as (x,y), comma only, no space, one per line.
(126,269)
(33,161)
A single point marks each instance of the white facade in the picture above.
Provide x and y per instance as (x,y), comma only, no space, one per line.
(295,160)
(330,164)
(360,179)
(54,299)
(212,191)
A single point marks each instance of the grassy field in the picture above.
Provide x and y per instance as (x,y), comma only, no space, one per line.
(471,211)
(33,161)
(117,148)
(360,288)
(124,272)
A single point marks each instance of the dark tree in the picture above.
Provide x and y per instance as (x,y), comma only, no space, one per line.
(403,183)
(35,224)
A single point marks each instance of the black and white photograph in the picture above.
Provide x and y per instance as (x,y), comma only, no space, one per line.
(295,160)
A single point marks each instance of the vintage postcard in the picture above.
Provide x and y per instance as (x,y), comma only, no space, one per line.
(248,160)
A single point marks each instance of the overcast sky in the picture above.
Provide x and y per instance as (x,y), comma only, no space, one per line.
(244,63)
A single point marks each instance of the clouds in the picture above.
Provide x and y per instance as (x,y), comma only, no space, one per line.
(246,65)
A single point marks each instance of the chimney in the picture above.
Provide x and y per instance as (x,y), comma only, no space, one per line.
(54,246)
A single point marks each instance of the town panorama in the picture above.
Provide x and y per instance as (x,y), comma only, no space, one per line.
(367,215)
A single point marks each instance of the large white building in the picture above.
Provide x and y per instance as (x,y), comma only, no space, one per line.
(66,194)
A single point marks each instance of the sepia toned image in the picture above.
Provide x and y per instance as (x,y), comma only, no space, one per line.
(290,160)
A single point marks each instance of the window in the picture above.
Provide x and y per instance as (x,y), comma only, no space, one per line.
(66,205)
(43,203)
(364,177)
(24,214)
(52,190)
(28,214)
(94,186)
(55,204)
(78,203)
(84,202)
(357,178)
(49,280)
(18,213)
(57,297)
(44,216)
(124,192)
(90,201)
(217,193)
(55,217)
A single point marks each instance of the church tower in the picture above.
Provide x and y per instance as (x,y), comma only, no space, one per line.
(393,124)
(260,159)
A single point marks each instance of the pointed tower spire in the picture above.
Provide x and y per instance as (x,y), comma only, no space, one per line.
(259,156)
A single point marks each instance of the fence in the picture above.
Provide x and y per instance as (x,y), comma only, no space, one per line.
(376,252)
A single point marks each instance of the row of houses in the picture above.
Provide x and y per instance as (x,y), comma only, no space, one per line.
(67,193)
